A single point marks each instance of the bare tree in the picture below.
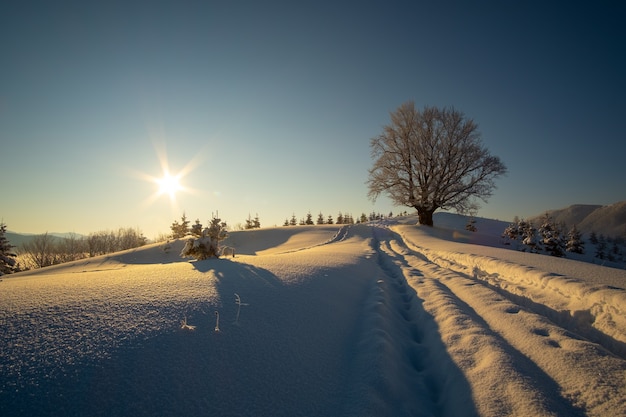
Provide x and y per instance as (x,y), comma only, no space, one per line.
(71,248)
(432,159)
(40,251)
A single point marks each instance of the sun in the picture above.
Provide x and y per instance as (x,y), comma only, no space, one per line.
(169,184)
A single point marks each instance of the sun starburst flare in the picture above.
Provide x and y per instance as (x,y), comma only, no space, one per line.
(169,184)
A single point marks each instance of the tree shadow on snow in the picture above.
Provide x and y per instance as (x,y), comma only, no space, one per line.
(240,365)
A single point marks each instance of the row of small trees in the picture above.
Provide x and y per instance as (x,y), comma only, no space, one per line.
(549,237)
(553,239)
(607,248)
(341,219)
(252,223)
(183,228)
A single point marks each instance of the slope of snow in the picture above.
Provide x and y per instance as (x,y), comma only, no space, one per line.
(366,320)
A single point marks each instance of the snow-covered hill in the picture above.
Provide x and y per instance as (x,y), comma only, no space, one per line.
(607,220)
(385,319)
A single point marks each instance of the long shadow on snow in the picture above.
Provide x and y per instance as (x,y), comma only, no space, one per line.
(251,367)
(167,252)
(439,382)
(555,402)
(578,323)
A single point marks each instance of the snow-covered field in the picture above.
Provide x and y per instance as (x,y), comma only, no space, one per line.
(385,319)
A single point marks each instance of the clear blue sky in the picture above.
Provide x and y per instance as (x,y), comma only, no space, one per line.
(271,105)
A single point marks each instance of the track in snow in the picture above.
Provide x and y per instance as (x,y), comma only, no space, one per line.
(467,334)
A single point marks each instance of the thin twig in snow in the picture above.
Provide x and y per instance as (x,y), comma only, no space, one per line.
(217,321)
(239,304)
(185,326)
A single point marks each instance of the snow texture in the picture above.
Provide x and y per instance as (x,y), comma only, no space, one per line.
(380,319)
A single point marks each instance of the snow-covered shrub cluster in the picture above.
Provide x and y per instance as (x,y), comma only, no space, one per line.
(206,245)
(549,237)
(552,239)
(199,248)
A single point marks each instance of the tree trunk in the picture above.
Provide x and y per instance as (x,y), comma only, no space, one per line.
(425,216)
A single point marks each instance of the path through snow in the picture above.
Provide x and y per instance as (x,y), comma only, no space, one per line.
(366,320)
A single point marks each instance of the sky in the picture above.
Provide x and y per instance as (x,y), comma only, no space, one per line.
(269,107)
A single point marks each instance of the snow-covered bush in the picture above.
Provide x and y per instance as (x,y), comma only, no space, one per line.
(200,248)
(207,245)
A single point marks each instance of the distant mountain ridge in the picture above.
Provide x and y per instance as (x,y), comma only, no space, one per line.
(18,239)
(607,220)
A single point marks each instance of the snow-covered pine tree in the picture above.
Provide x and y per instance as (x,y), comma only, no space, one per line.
(217,232)
(601,247)
(551,237)
(180,230)
(512,232)
(616,252)
(330,219)
(575,244)
(8,257)
(293,220)
(610,255)
(196,228)
(320,218)
(309,219)
(339,218)
(528,234)
(256,222)
(249,223)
